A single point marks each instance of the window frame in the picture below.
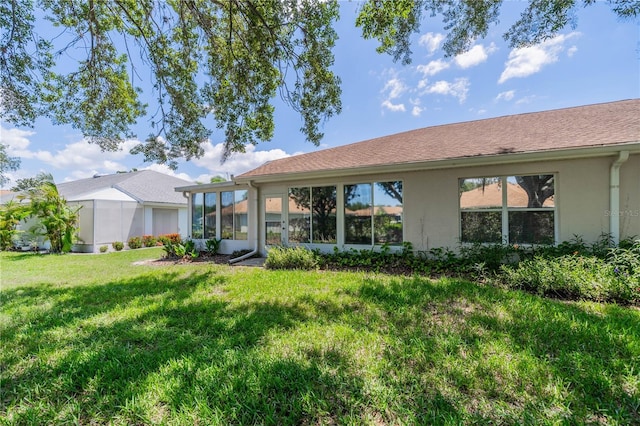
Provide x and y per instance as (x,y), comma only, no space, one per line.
(505,209)
(372,216)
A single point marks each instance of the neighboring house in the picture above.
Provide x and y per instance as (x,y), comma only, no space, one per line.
(540,177)
(123,205)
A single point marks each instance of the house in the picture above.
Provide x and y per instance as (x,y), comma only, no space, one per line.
(123,205)
(532,178)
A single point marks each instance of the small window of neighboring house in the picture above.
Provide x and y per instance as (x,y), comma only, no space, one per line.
(508,209)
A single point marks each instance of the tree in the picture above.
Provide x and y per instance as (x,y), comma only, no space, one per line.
(58,220)
(28,183)
(7,163)
(220,60)
(392,22)
(11,214)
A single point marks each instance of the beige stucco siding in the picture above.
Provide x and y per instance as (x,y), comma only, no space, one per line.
(431,214)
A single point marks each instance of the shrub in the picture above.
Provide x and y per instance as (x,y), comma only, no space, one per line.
(291,258)
(149,240)
(117,245)
(213,245)
(134,242)
(575,277)
(172,238)
(103,249)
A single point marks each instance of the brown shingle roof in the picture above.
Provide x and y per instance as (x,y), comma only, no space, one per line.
(577,127)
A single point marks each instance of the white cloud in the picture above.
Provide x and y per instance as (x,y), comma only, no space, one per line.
(529,60)
(238,162)
(16,140)
(395,87)
(475,56)
(431,41)
(416,111)
(459,88)
(393,107)
(572,51)
(506,96)
(433,67)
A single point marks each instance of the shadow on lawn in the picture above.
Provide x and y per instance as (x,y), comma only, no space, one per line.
(590,353)
(167,348)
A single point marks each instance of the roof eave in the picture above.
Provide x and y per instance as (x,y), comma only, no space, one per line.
(480,160)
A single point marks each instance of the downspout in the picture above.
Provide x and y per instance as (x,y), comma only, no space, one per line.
(256,220)
(187,195)
(614,196)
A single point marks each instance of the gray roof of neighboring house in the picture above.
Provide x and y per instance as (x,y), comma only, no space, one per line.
(587,126)
(146,186)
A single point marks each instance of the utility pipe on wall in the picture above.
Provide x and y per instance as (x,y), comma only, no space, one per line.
(614,196)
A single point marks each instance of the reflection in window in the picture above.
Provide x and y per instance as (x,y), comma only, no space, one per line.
(240,214)
(299,215)
(314,214)
(373,213)
(226,215)
(210,215)
(196,214)
(357,213)
(513,209)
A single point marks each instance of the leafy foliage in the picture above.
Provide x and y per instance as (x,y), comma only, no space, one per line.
(291,258)
(7,163)
(11,214)
(220,60)
(117,245)
(213,246)
(223,61)
(134,243)
(59,222)
(26,184)
(392,22)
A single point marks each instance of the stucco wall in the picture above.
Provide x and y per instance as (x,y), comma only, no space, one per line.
(431,215)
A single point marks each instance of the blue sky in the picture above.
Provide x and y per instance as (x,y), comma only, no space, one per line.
(598,61)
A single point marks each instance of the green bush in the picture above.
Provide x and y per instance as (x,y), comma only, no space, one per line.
(577,277)
(149,241)
(291,258)
(103,249)
(134,242)
(117,245)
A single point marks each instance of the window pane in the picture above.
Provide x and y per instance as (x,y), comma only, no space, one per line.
(323,202)
(357,214)
(530,191)
(481,193)
(210,215)
(387,218)
(240,218)
(481,227)
(299,215)
(196,215)
(531,227)
(273,221)
(226,215)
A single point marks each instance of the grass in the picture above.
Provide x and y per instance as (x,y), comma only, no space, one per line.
(95,339)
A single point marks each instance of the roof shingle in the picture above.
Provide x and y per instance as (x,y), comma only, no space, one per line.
(578,127)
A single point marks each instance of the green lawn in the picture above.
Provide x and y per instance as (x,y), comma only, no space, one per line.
(95,339)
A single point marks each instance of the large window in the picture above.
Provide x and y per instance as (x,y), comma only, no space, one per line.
(508,209)
(210,215)
(312,214)
(233,215)
(373,213)
(203,215)
(196,214)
